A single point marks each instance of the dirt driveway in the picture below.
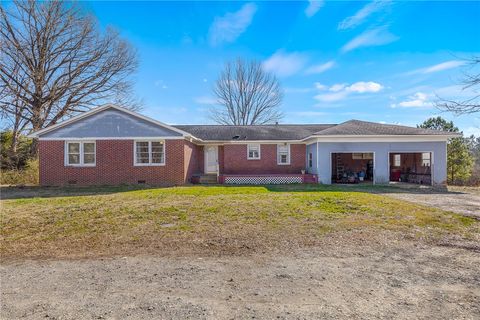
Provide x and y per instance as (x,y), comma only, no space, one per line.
(463,200)
(347,278)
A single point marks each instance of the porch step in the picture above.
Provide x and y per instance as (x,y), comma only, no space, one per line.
(208,179)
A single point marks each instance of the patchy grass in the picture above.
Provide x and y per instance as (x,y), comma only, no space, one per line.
(55,222)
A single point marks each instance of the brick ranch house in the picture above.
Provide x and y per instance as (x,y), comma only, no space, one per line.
(112,145)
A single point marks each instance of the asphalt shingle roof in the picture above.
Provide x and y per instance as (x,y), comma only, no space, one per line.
(357,127)
(255,132)
(300,131)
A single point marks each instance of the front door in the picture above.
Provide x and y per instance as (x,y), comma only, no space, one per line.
(211,159)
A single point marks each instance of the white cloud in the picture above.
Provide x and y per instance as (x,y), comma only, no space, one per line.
(471,130)
(374,37)
(329,97)
(285,64)
(205,100)
(445,66)
(320,86)
(362,87)
(337,87)
(418,100)
(319,68)
(313,7)
(343,90)
(230,26)
(439,67)
(362,14)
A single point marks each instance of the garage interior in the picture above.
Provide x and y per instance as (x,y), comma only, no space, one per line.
(414,167)
(352,167)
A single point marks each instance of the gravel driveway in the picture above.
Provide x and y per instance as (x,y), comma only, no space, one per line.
(349,278)
(465,201)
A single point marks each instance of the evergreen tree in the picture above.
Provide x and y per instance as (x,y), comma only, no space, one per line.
(459,157)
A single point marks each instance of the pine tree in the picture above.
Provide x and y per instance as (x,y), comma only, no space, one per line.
(459,158)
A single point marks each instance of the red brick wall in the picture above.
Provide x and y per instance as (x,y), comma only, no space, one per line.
(235,160)
(114,165)
(193,160)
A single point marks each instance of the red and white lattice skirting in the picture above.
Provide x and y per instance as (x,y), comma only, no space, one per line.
(267,179)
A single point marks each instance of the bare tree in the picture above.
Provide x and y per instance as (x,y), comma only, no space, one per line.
(55,62)
(471,81)
(247,95)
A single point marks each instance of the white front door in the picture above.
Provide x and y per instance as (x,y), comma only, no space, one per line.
(211,159)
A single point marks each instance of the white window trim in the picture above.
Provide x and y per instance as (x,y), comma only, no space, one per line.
(149,164)
(399,160)
(288,156)
(259,151)
(81,164)
(429,159)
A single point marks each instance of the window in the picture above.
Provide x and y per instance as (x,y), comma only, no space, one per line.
(310,160)
(156,148)
(253,152)
(73,153)
(360,156)
(81,153)
(88,153)
(356,156)
(283,154)
(149,153)
(426,160)
(396,160)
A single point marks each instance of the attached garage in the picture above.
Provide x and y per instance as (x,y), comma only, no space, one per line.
(381,152)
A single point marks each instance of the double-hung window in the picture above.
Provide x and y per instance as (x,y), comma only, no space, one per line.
(283,154)
(426,160)
(149,153)
(397,160)
(310,160)
(253,152)
(80,153)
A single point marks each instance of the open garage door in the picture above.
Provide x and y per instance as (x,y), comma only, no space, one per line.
(353,167)
(411,167)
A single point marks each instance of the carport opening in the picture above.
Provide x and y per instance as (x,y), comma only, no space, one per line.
(352,167)
(413,167)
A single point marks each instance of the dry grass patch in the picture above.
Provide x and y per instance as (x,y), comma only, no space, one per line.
(122,220)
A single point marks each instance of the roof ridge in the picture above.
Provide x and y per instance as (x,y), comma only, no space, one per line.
(398,125)
(259,125)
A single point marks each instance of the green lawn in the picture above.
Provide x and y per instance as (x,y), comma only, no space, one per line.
(55,222)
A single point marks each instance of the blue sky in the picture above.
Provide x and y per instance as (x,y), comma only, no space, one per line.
(375,61)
